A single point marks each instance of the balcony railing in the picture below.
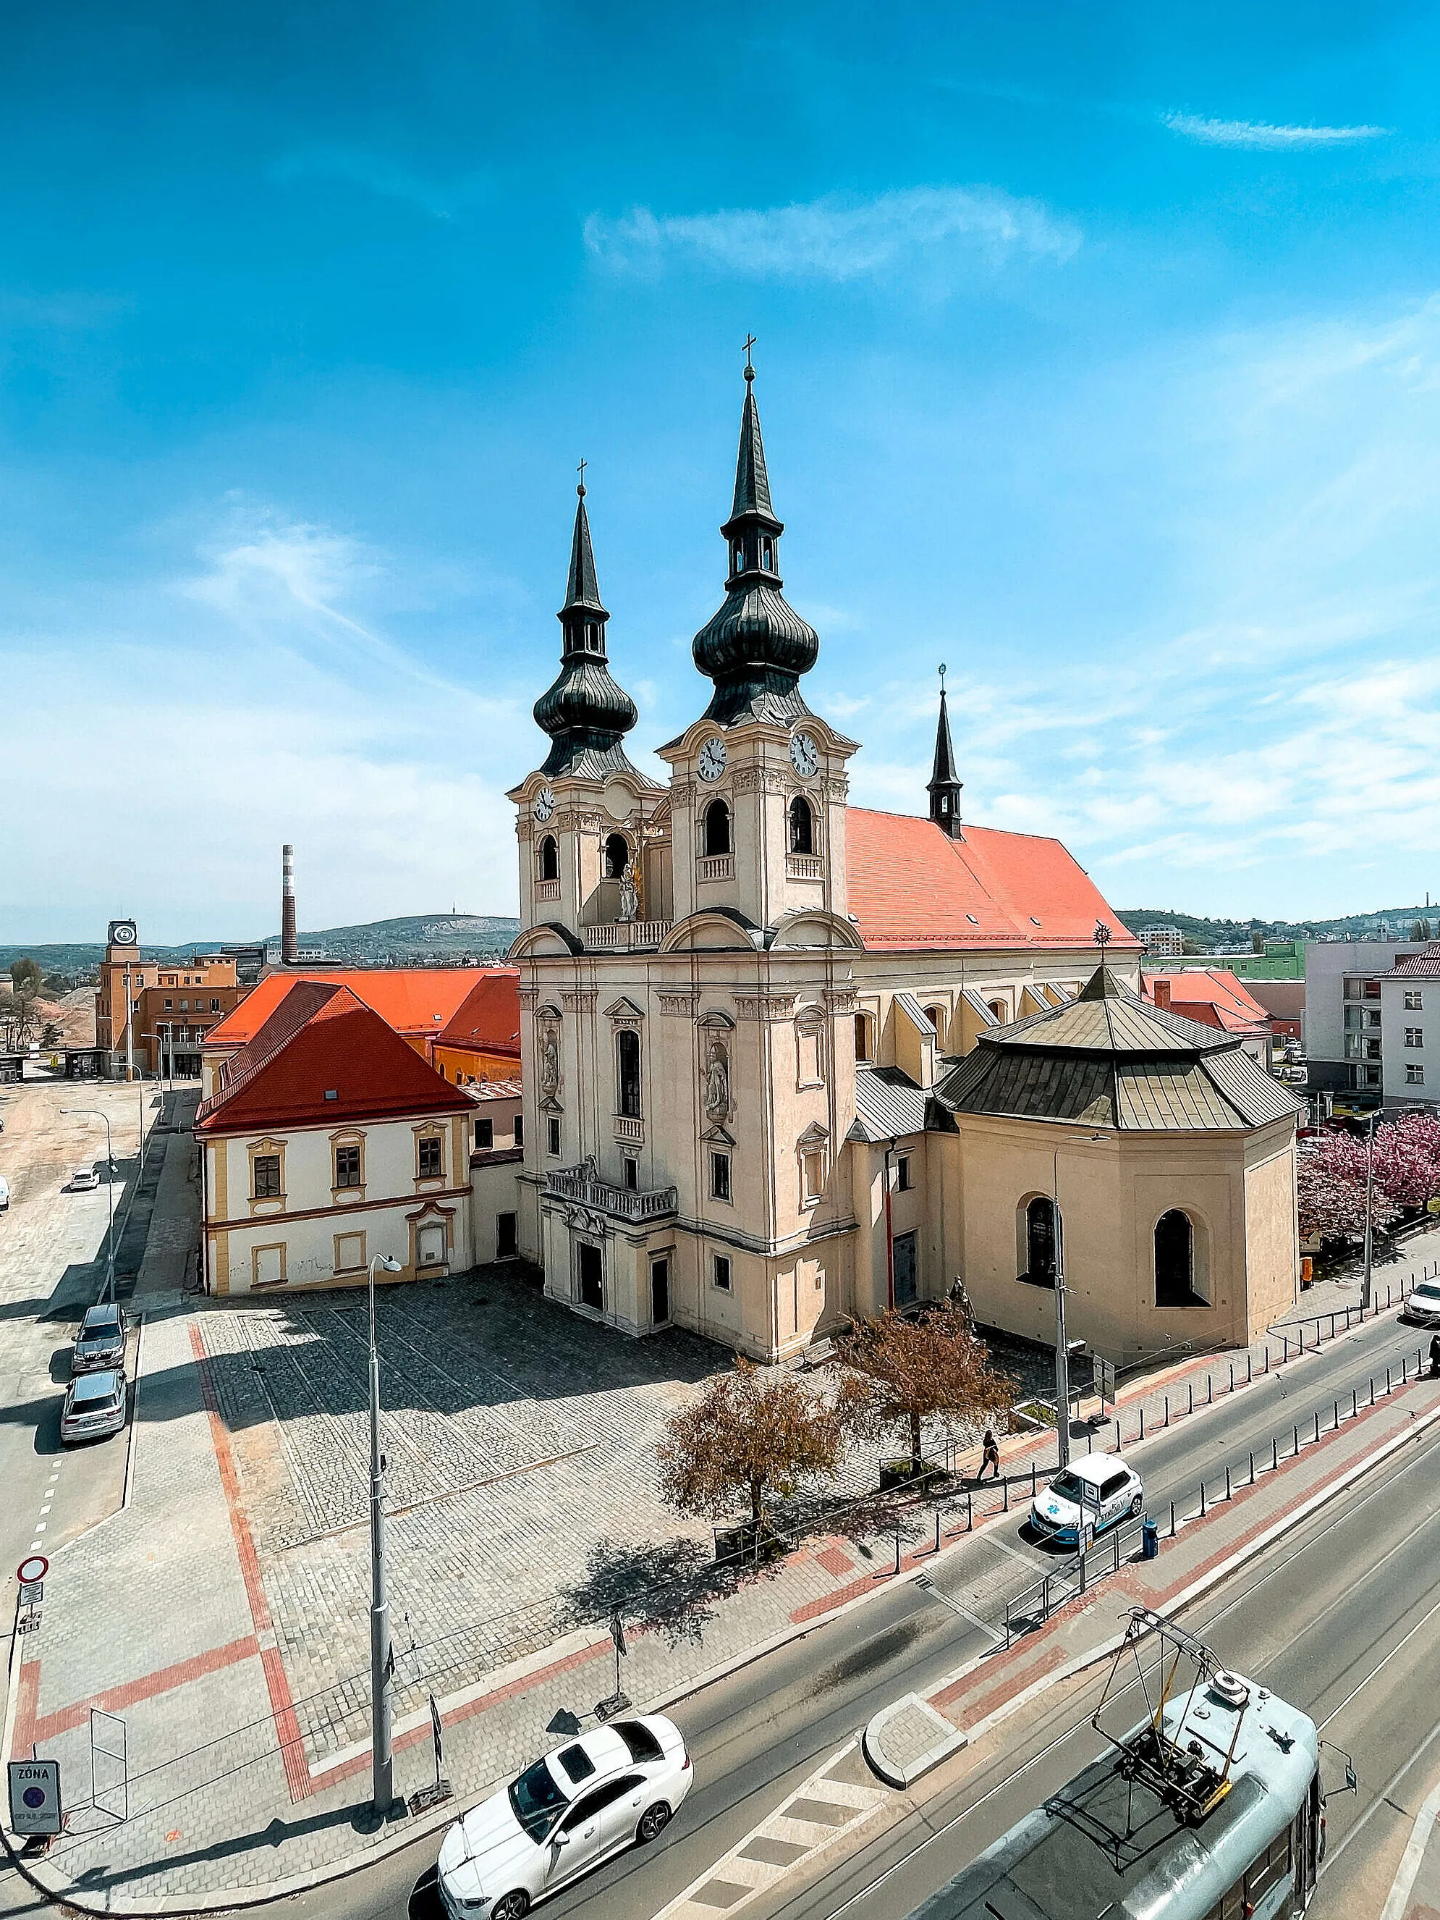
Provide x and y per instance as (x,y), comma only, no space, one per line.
(629,1129)
(625,935)
(715,866)
(547,889)
(802,866)
(624,1203)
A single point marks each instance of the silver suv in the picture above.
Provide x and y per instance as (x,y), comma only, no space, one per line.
(95,1406)
(100,1341)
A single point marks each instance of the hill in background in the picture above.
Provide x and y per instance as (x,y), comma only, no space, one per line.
(1392,923)
(414,940)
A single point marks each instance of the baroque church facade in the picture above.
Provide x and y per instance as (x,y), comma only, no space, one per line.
(754,1020)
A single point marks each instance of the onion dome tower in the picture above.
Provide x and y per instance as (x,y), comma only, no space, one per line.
(585,712)
(944,784)
(756,646)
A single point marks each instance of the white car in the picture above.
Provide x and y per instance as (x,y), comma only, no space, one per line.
(84,1180)
(1422,1306)
(1094,1492)
(610,1789)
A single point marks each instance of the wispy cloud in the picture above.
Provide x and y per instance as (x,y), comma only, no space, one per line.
(380,175)
(1261,133)
(838,238)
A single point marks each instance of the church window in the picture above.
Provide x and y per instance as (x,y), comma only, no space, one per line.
(484,1135)
(721,1271)
(1040,1241)
(617,855)
(549,858)
(347,1167)
(631,1169)
(265,1172)
(1175,1261)
(769,557)
(627,1073)
(1000,1011)
(553,1140)
(737,558)
(719,1176)
(802,825)
(904,1181)
(862,1036)
(717,828)
(429,1157)
(936,1017)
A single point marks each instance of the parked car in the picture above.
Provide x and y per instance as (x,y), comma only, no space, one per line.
(1422,1305)
(1094,1492)
(4,1195)
(84,1180)
(100,1343)
(610,1789)
(95,1406)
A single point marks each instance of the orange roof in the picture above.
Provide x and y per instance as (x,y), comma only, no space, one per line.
(324,1057)
(412,1000)
(1211,995)
(488,1018)
(912,886)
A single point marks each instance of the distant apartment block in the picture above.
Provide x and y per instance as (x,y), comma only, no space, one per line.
(1368,1027)
(1164,943)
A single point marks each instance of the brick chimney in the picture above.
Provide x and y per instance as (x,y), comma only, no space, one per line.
(1160,991)
(289,937)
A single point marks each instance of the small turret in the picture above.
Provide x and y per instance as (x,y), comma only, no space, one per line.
(944,785)
(585,713)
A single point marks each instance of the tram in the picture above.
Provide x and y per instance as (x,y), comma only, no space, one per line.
(1209,1809)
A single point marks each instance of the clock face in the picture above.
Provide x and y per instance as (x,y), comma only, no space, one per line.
(122,933)
(712,758)
(544,804)
(804,754)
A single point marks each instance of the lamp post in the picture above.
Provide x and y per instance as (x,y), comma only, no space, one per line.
(1062,1345)
(96,1114)
(1369,1202)
(382,1767)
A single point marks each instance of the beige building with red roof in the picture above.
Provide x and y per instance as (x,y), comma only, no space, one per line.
(738,994)
(326,1139)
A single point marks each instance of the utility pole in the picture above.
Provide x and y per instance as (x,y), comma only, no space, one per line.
(382,1765)
(1062,1355)
(1369,1208)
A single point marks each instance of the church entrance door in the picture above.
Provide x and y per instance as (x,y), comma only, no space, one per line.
(659,1292)
(592,1291)
(904,1269)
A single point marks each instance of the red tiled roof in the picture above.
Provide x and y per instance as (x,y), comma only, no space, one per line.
(1212,995)
(323,1039)
(1426,962)
(488,1019)
(406,998)
(912,886)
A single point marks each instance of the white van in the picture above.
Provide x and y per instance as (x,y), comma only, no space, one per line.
(4,1195)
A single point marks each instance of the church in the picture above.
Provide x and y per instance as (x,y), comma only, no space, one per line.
(787,1062)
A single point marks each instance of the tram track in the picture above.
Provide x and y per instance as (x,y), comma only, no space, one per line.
(1294,1559)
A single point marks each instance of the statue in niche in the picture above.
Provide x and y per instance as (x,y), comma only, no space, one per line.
(549,1061)
(630,891)
(717,1081)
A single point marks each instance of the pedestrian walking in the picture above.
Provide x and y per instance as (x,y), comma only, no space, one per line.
(989,1455)
(1435,1356)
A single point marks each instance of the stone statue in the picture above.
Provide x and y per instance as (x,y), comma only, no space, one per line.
(630,892)
(717,1081)
(549,1061)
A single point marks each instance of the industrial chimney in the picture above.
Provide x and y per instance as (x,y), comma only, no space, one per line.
(289,938)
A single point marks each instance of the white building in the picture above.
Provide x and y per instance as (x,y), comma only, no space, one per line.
(1410,1027)
(1164,943)
(1355,1024)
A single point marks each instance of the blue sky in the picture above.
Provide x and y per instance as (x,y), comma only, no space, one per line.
(1099,356)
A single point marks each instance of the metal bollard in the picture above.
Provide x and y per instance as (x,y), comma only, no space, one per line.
(1142,1423)
(1332,1327)
(1249,1368)
(969,1511)
(1252,1466)
(1032,1480)
(1300,1336)
(1297,1443)
(1274,1455)
(1404,1368)
(1172,1519)
(1267,1356)
(897,1550)
(1354,1403)
(1372,1389)
(1388,1387)
(1286,1338)
(937,1529)
(1227,1483)
(1209,1389)
(1191,1389)
(1335,1423)
(1006,1507)
(1232,1376)
(1202,1499)
(1317,1429)
(1167,1409)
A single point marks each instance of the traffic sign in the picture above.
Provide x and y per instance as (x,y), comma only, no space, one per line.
(34,1567)
(35,1796)
(32,1592)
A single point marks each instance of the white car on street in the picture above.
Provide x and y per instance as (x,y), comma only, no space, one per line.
(84,1180)
(1422,1305)
(608,1790)
(1094,1492)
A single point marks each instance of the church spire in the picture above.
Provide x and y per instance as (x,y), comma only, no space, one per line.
(585,713)
(756,646)
(944,785)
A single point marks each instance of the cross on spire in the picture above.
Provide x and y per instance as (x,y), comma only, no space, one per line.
(581,471)
(942,676)
(750,341)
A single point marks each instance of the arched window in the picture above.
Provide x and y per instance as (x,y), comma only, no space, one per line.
(627,1072)
(936,1017)
(737,558)
(1040,1241)
(717,827)
(549,858)
(802,825)
(862,1037)
(617,854)
(1175,1261)
(769,553)
(1000,1011)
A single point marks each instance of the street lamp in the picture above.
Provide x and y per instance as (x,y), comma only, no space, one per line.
(95,1113)
(382,1768)
(1062,1345)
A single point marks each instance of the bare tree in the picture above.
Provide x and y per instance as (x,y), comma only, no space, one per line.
(747,1435)
(904,1372)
